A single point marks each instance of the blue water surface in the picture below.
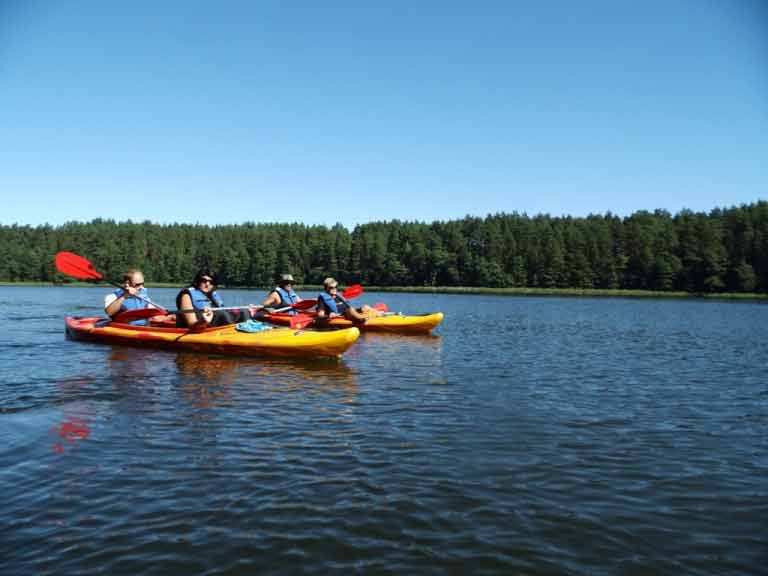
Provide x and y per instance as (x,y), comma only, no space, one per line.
(526,436)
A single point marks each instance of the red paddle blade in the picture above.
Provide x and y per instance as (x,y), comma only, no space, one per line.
(76,266)
(304,305)
(299,321)
(381,307)
(353,291)
(139,314)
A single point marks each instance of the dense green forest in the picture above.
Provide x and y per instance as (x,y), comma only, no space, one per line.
(724,250)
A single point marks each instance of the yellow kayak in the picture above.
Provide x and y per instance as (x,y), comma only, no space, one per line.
(394,323)
(219,340)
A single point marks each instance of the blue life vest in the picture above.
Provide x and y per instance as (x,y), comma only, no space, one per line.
(133,303)
(327,302)
(287,297)
(199,299)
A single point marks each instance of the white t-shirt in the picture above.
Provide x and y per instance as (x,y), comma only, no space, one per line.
(108,299)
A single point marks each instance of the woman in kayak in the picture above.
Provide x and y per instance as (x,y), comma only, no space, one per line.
(283,295)
(132,296)
(196,304)
(331,304)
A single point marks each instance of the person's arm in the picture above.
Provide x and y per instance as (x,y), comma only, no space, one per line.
(109,301)
(113,306)
(345,308)
(190,318)
(272,300)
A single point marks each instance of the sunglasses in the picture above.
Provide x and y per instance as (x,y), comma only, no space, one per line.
(137,284)
(207,281)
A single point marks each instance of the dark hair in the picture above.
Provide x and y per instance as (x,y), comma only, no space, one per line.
(205,272)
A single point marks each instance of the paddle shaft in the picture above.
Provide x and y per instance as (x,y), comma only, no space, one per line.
(250,306)
(185,310)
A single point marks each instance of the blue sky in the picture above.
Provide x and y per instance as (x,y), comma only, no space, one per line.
(222,112)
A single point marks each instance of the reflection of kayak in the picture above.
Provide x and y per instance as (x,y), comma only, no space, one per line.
(221,340)
(396,323)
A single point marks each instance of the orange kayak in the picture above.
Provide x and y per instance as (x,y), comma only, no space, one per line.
(393,323)
(219,340)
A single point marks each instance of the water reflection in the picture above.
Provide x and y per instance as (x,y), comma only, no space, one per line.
(71,430)
(206,380)
(205,367)
(308,377)
(75,423)
(133,365)
(421,354)
(427,343)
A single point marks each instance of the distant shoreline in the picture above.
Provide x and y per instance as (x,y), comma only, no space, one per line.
(582,292)
(469,290)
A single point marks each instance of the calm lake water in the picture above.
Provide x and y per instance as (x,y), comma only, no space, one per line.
(528,436)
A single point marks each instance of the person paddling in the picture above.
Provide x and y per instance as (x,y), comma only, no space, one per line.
(195,303)
(132,296)
(331,304)
(282,295)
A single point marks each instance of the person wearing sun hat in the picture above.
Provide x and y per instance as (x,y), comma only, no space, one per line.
(282,295)
(330,304)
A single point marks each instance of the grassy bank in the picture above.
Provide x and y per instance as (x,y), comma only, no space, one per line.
(588,292)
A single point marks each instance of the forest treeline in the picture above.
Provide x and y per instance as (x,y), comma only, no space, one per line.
(723,250)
